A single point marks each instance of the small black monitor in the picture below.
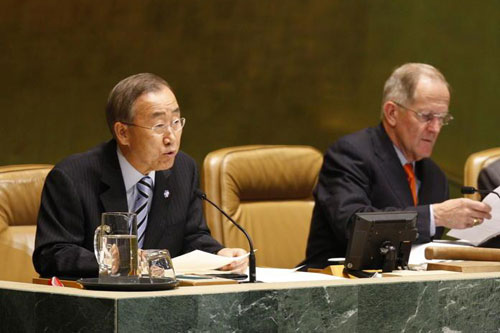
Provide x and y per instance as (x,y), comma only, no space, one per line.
(381,241)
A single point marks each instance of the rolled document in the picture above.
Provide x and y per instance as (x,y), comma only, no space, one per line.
(462,253)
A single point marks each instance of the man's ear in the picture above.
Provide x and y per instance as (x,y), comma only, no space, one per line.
(390,113)
(121,133)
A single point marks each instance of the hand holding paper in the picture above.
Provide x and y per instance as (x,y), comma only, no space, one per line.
(486,230)
(236,266)
(460,213)
(198,261)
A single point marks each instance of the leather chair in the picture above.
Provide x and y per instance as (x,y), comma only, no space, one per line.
(20,193)
(268,191)
(474,164)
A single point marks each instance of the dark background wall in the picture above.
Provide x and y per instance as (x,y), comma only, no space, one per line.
(244,72)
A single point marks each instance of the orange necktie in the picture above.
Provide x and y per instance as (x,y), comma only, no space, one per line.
(411,181)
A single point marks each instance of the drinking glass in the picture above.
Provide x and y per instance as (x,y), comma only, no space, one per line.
(157,264)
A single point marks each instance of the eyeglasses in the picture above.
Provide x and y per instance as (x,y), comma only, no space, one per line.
(176,125)
(427,117)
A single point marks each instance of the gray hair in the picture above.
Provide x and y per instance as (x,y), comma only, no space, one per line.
(400,86)
(123,96)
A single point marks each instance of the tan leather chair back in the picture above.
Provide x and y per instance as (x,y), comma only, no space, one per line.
(473,166)
(20,193)
(268,190)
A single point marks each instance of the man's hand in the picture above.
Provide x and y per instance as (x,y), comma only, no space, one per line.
(236,266)
(460,213)
(115,259)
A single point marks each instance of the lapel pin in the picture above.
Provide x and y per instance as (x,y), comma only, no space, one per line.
(166,194)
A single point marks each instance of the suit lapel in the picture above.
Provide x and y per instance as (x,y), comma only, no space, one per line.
(391,167)
(158,217)
(425,177)
(113,196)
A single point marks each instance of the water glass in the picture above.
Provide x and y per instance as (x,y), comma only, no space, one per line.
(157,264)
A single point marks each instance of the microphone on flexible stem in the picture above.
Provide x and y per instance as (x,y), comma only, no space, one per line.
(251,258)
(472,190)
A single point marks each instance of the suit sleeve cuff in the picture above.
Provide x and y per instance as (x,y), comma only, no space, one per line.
(432,227)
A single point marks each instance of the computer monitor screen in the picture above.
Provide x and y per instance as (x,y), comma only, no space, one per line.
(381,240)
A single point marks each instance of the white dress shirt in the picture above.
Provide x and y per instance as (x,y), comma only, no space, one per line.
(130,178)
(404,161)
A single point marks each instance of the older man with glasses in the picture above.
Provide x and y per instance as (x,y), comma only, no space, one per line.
(388,167)
(133,172)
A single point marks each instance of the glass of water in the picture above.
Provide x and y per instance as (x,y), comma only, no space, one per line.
(157,264)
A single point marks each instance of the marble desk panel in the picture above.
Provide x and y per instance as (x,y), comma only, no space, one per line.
(434,303)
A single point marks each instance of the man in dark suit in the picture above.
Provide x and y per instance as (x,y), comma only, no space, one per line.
(489,180)
(145,121)
(489,177)
(387,168)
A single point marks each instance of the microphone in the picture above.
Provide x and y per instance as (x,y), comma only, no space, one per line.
(251,258)
(472,190)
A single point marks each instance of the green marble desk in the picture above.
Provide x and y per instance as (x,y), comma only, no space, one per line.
(438,303)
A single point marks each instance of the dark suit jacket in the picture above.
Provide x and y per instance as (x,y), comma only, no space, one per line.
(83,186)
(361,172)
(489,177)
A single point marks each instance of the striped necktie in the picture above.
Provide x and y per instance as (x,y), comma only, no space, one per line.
(411,181)
(144,191)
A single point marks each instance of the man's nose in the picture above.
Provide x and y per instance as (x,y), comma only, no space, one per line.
(435,125)
(169,136)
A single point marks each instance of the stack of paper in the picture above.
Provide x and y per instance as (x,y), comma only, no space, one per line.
(417,254)
(200,262)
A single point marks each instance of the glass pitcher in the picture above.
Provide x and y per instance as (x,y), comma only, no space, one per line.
(115,248)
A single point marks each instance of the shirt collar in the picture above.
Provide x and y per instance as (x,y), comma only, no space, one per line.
(130,174)
(402,157)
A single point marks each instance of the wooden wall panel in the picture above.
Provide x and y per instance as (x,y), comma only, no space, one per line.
(245,72)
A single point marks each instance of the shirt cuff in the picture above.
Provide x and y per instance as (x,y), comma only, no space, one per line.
(432,228)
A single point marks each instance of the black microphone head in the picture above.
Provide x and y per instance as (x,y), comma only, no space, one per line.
(468,190)
(200,194)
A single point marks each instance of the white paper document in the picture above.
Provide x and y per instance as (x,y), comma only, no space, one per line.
(290,275)
(198,261)
(486,230)
(417,254)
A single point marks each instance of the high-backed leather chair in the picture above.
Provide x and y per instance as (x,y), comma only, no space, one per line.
(268,190)
(20,193)
(475,163)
